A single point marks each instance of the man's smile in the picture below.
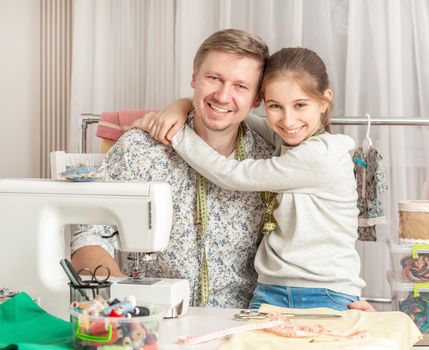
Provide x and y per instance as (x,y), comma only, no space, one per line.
(218,108)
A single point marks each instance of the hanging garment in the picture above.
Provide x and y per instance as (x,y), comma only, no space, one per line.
(371,182)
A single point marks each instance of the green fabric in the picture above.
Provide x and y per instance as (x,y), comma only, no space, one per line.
(25,326)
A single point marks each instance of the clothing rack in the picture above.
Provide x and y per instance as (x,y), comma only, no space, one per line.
(380,121)
(408,121)
(86,119)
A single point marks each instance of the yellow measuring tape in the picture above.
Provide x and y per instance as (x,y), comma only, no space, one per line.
(268,221)
(202,220)
(202,216)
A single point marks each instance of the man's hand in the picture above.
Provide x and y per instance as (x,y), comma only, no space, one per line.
(362,305)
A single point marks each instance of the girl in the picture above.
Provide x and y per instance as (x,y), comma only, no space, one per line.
(309,259)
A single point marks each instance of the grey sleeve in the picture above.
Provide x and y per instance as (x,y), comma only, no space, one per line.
(304,167)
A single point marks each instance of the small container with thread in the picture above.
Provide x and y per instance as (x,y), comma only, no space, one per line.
(101,324)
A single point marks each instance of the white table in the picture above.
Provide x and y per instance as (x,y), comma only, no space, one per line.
(201,321)
(197,321)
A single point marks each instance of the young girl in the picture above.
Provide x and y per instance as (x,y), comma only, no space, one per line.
(309,259)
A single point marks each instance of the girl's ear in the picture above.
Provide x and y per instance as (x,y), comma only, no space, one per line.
(328,94)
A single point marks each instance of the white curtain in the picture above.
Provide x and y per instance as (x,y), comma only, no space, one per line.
(123,57)
(376,52)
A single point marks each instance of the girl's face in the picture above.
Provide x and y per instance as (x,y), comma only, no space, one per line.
(291,113)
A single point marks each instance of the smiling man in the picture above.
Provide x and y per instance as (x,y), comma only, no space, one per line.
(213,247)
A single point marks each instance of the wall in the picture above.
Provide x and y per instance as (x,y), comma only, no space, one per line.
(19,88)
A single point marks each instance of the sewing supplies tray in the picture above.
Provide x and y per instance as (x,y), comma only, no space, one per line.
(99,332)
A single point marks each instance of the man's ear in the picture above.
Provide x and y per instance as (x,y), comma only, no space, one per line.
(257,102)
(193,81)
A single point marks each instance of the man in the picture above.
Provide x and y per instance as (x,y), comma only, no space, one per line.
(215,247)
(212,244)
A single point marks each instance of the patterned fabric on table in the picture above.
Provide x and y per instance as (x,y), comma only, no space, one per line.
(233,232)
(371,181)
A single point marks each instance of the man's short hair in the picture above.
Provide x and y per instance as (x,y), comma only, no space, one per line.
(233,41)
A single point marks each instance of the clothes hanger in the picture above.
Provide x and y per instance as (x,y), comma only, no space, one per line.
(367,142)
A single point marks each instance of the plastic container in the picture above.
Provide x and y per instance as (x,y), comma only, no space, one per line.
(98,332)
(410,262)
(413,299)
(414,220)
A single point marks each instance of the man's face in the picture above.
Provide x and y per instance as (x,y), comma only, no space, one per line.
(226,88)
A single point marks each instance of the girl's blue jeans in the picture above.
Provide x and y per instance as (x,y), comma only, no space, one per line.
(299,298)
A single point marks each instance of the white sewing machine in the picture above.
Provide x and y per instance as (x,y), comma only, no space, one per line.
(32,242)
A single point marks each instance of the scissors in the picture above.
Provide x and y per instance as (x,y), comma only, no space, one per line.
(258,315)
(95,280)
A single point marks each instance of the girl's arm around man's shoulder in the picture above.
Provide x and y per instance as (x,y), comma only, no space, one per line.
(294,170)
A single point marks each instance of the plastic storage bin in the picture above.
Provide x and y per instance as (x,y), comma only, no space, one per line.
(98,332)
(409,262)
(413,299)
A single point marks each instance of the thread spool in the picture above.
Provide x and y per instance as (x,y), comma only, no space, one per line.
(126,327)
(115,313)
(97,327)
(123,308)
(97,305)
(127,341)
(116,334)
(141,311)
(138,332)
(127,305)
(113,301)
(151,339)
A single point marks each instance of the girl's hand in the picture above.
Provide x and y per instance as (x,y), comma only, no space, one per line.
(162,126)
(362,305)
(143,123)
(165,124)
